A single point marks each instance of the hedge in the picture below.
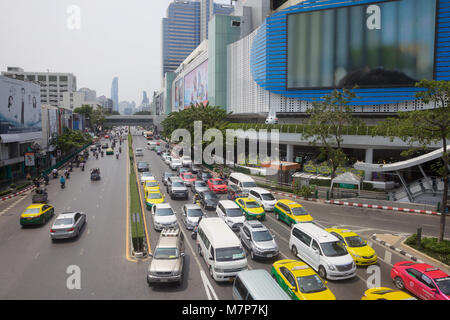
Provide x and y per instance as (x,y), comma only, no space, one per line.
(430,246)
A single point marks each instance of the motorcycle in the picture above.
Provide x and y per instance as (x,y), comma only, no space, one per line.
(102,154)
(82,167)
(63,184)
(55,175)
(117,156)
(46,180)
(96,156)
(67,174)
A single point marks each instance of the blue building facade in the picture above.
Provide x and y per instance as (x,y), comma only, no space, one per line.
(115,93)
(383,46)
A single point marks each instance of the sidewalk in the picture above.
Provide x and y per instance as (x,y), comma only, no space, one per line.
(396,242)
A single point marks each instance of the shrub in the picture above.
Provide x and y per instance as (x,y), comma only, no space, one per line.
(431,247)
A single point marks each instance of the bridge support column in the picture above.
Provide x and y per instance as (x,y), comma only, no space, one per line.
(290,153)
(369,159)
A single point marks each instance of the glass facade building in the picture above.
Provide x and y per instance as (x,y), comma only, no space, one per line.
(115,93)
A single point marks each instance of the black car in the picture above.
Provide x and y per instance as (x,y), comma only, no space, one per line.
(203,175)
(208,200)
(40,196)
(142,166)
(95,174)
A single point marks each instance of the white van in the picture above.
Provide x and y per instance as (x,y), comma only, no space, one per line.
(221,249)
(257,285)
(263,197)
(322,251)
(243,181)
(231,213)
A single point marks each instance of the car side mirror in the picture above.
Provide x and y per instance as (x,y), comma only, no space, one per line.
(182,254)
(317,252)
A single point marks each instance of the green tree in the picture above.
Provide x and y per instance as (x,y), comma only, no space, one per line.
(142,113)
(326,123)
(97,118)
(73,139)
(424,127)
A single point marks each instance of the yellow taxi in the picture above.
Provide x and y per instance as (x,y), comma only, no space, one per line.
(37,213)
(362,254)
(291,212)
(300,281)
(153,197)
(151,185)
(383,293)
(251,209)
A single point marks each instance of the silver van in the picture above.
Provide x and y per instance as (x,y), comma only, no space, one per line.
(257,284)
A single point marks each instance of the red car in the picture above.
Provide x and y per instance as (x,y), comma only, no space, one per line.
(217,185)
(106,136)
(421,279)
(188,178)
(158,143)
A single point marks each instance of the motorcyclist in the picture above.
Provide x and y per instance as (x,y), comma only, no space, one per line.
(96,155)
(70,166)
(62,181)
(55,173)
(120,149)
(45,179)
(67,174)
(102,153)
(82,166)
(195,198)
(117,154)
(36,182)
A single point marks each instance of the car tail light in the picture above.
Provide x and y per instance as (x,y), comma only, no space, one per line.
(71,229)
(52,231)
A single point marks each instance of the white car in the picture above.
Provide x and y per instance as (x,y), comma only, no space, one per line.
(139,152)
(163,217)
(186,161)
(263,197)
(147,175)
(68,225)
(231,213)
(167,159)
(175,164)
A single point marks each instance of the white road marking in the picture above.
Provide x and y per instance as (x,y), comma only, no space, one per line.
(81,252)
(387,257)
(36,256)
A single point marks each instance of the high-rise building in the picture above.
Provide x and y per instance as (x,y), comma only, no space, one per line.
(180,33)
(207,9)
(115,93)
(53,84)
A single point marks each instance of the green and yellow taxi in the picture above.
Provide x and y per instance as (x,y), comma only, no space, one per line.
(251,209)
(38,213)
(109,151)
(291,212)
(153,197)
(300,281)
(383,293)
(362,254)
(151,185)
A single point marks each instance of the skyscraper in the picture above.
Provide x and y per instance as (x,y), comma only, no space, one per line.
(207,9)
(180,33)
(115,93)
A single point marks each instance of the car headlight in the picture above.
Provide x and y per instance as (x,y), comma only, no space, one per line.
(258,249)
(218,270)
(331,267)
(356,256)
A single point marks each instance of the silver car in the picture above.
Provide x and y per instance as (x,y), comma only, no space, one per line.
(166,176)
(199,186)
(191,214)
(163,217)
(67,225)
(258,240)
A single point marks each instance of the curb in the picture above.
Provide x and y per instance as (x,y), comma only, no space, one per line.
(374,206)
(289,195)
(17,194)
(402,252)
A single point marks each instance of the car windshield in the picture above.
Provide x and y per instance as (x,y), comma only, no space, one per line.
(333,249)
(235,212)
(32,210)
(142,164)
(62,221)
(206,176)
(154,196)
(355,241)
(167,175)
(166,253)
(262,236)
(177,184)
(267,196)
(229,254)
(147,174)
(210,196)
(299,211)
(252,204)
(217,182)
(195,213)
(188,176)
(249,184)
(444,285)
(310,284)
(151,184)
(164,212)
(200,184)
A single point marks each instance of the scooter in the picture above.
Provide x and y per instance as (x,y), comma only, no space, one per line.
(96,156)
(46,180)
(63,184)
(67,175)
(82,167)
(55,175)
(117,156)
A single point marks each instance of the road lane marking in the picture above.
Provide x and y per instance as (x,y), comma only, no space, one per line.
(81,252)
(387,257)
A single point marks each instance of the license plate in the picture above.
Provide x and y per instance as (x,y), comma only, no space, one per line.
(231,279)
(163,280)
(269,255)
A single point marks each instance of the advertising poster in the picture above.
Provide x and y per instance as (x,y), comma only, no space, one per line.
(178,95)
(20,106)
(53,124)
(29,159)
(196,86)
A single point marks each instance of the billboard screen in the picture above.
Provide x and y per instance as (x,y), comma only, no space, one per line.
(196,86)
(20,106)
(178,103)
(376,45)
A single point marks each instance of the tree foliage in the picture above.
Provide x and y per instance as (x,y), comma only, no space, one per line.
(73,139)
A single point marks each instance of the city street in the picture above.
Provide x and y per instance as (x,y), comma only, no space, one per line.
(34,267)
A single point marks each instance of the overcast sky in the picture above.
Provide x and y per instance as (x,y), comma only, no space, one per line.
(115,38)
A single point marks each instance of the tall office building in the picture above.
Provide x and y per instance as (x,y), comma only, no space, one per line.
(207,9)
(53,84)
(115,93)
(180,33)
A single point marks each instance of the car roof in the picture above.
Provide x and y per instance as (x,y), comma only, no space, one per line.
(66,215)
(37,205)
(290,203)
(246,199)
(192,206)
(320,234)
(162,205)
(228,204)
(298,268)
(261,285)
(429,270)
(260,190)
(165,241)
(255,225)
(342,232)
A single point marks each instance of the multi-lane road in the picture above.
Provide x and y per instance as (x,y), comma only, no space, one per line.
(34,267)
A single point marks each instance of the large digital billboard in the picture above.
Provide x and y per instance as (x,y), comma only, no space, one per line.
(20,106)
(196,86)
(385,44)
(178,101)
